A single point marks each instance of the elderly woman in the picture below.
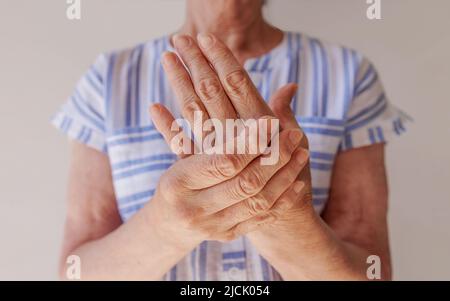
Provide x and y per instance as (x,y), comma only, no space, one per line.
(138,211)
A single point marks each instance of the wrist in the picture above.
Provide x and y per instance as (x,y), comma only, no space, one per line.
(299,231)
(163,231)
(298,222)
(287,243)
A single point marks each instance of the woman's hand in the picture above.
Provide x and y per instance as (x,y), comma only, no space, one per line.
(220,197)
(217,86)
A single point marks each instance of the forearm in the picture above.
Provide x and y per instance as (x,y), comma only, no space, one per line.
(134,251)
(309,250)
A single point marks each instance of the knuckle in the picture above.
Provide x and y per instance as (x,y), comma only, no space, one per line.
(266,218)
(226,166)
(190,105)
(284,205)
(219,54)
(257,205)
(250,184)
(236,80)
(209,89)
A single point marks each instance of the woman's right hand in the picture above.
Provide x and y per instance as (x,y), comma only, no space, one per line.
(220,197)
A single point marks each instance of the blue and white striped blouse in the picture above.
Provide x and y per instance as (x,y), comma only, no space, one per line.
(340,105)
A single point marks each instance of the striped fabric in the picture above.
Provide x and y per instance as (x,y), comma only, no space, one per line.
(340,105)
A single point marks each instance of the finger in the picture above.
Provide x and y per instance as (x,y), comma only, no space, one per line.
(291,198)
(264,200)
(246,99)
(202,171)
(205,80)
(280,103)
(252,179)
(165,124)
(294,202)
(191,106)
(305,174)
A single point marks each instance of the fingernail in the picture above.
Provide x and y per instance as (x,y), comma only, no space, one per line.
(169,59)
(181,41)
(295,136)
(298,186)
(301,156)
(204,40)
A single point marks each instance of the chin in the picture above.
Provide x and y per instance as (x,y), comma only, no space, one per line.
(239,10)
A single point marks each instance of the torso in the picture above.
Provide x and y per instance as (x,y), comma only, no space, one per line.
(139,156)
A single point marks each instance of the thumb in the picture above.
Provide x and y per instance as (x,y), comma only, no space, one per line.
(280,104)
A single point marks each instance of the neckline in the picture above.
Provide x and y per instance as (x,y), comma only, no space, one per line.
(263,62)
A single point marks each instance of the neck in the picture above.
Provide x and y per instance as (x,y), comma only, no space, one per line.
(245,39)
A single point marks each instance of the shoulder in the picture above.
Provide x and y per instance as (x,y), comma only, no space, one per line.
(325,52)
(331,74)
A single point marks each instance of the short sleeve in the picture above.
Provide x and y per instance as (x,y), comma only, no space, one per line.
(370,117)
(82,117)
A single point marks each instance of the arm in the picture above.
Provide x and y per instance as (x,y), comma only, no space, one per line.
(354,225)
(357,210)
(187,208)
(94,231)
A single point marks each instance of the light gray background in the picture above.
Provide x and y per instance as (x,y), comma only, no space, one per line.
(42,55)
